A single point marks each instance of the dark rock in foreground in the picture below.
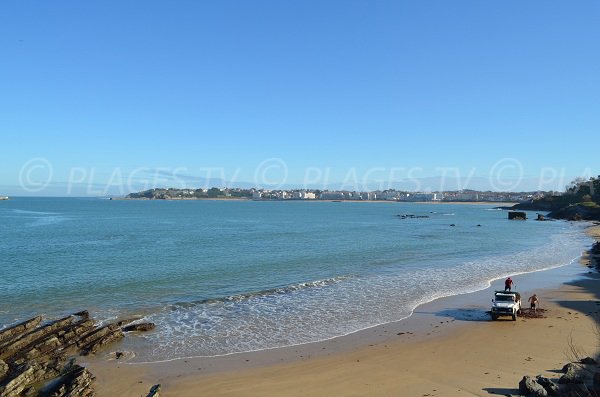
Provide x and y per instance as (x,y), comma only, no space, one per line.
(530,387)
(34,357)
(551,387)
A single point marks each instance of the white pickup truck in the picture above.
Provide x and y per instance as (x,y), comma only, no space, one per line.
(506,303)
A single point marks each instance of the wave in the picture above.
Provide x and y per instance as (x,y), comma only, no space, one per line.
(263,293)
(17,211)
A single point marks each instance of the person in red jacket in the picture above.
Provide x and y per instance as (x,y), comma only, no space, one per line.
(508,284)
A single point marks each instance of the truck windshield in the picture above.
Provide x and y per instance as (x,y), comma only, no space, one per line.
(505,298)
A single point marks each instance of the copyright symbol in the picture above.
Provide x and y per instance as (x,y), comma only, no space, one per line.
(271,172)
(35,174)
(506,174)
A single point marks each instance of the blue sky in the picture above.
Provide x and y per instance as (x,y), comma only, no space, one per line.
(98,96)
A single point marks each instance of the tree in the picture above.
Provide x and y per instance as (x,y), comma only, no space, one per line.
(214,192)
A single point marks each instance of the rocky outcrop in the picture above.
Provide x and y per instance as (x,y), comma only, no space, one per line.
(576,212)
(530,387)
(3,370)
(13,346)
(19,329)
(517,215)
(95,340)
(588,361)
(32,355)
(141,327)
(22,377)
(411,216)
(580,378)
(77,382)
(571,375)
(550,387)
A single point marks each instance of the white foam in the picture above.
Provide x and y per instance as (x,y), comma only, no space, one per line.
(315,314)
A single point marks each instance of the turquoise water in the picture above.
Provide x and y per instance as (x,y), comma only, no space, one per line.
(227,276)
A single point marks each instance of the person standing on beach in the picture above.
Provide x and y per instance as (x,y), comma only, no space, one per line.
(508,284)
(534,302)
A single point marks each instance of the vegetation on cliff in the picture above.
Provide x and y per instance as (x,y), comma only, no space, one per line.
(173,193)
(581,201)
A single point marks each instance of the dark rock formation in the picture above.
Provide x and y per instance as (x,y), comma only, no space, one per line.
(576,212)
(538,205)
(530,387)
(142,327)
(411,216)
(517,215)
(571,375)
(100,338)
(596,379)
(576,390)
(154,391)
(568,367)
(588,360)
(33,357)
(551,387)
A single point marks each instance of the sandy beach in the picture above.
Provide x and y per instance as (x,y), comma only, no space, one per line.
(449,347)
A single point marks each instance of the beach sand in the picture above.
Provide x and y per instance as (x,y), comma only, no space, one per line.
(449,347)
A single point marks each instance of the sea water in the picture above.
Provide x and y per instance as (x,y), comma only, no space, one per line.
(219,277)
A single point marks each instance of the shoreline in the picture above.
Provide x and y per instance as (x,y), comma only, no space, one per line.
(493,203)
(442,323)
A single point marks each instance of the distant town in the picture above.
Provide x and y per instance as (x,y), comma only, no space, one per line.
(337,195)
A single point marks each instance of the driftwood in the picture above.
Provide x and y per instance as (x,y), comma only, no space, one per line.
(33,357)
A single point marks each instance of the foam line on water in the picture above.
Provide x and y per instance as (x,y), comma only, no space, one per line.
(419,303)
(344,295)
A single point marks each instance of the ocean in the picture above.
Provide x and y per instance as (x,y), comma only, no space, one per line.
(220,277)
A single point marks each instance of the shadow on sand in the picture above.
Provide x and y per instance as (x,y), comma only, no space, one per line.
(462,314)
(501,391)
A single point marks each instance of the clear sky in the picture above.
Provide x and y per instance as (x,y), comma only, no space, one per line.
(104,95)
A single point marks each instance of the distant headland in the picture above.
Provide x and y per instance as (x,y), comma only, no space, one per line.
(580,201)
(333,195)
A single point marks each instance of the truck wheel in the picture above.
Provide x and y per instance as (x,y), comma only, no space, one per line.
(514,317)
(494,317)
